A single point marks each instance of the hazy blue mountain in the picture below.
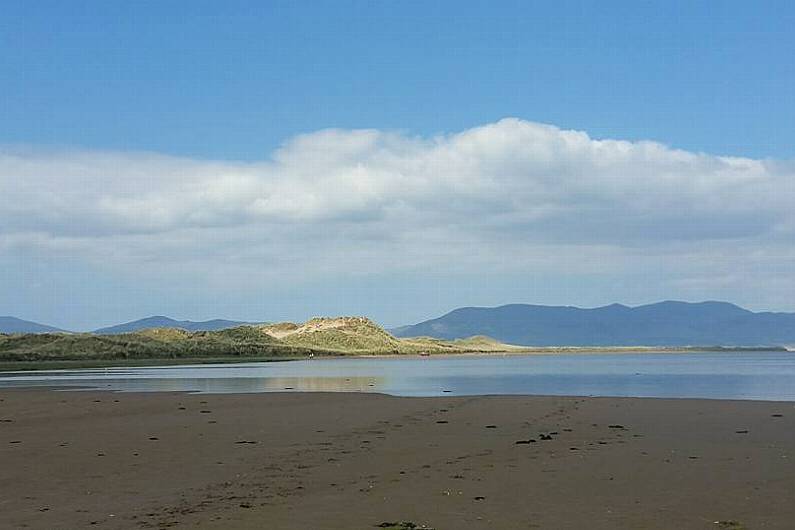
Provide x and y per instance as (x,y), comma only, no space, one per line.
(16,325)
(166,322)
(662,324)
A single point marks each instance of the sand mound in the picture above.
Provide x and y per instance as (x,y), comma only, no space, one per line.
(347,334)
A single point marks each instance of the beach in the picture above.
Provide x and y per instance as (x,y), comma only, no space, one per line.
(356,461)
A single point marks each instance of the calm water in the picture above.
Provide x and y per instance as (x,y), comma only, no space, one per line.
(752,375)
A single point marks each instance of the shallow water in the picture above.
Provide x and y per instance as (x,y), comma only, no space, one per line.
(723,375)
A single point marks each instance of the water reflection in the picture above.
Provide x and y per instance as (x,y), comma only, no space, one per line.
(218,385)
(745,375)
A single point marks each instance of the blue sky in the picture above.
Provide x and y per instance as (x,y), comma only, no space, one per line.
(112,113)
(235,79)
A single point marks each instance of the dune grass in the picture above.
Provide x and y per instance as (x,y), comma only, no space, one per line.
(148,344)
(319,336)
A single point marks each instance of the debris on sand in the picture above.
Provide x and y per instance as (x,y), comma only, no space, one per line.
(730,525)
(404,525)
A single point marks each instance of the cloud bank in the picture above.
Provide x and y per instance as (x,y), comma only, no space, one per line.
(512,195)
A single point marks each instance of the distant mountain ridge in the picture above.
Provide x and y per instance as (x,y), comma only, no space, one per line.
(166,322)
(669,323)
(17,325)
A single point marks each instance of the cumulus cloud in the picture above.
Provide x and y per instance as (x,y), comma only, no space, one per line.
(380,200)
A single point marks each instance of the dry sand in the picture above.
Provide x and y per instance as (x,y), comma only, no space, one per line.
(353,461)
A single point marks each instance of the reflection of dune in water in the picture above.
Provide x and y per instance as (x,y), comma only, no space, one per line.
(254,384)
(216,385)
(323,384)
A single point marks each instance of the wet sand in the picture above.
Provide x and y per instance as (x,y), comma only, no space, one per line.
(355,461)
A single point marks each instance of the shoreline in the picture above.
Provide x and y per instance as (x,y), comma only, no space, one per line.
(43,365)
(177,393)
(34,366)
(568,350)
(357,460)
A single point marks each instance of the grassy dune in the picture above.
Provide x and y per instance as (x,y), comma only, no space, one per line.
(322,336)
(172,344)
(345,335)
(358,335)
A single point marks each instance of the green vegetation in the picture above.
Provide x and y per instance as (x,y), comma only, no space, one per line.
(478,343)
(148,344)
(358,335)
(319,336)
(345,335)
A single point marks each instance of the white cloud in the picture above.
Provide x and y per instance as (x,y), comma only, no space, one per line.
(511,194)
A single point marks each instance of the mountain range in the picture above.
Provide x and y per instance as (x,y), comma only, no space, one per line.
(166,322)
(16,325)
(669,323)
